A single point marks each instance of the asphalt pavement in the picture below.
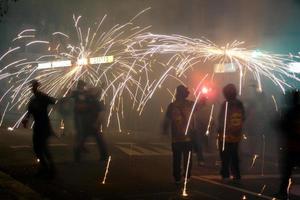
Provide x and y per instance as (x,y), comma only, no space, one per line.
(139,168)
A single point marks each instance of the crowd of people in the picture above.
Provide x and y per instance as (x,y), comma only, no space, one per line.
(189,123)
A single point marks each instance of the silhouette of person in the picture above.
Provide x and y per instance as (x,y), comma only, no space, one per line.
(80,116)
(92,123)
(290,142)
(177,116)
(201,120)
(42,130)
(234,118)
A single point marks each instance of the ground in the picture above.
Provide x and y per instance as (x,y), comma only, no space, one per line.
(140,168)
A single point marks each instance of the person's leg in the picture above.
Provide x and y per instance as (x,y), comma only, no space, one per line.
(176,148)
(235,164)
(101,146)
(225,160)
(38,150)
(187,150)
(198,148)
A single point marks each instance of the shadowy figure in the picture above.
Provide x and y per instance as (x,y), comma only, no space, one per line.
(233,132)
(201,120)
(42,130)
(80,117)
(177,117)
(290,126)
(92,122)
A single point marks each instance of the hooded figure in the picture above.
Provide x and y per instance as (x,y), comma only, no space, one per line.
(232,112)
(177,116)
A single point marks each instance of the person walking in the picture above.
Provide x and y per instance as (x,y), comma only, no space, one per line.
(177,117)
(42,130)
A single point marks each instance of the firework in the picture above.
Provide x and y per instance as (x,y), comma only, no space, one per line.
(187,52)
(100,57)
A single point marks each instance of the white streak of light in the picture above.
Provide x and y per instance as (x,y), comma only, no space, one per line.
(275,103)
(37,41)
(254,159)
(262,190)
(224,130)
(106,171)
(210,119)
(289,186)
(184,193)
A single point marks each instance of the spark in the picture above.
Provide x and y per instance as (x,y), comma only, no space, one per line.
(275,103)
(210,119)
(254,159)
(289,186)
(184,192)
(244,197)
(262,190)
(106,170)
(224,130)
(62,125)
(38,160)
(187,52)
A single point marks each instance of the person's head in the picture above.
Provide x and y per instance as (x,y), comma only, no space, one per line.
(80,85)
(182,92)
(229,92)
(34,86)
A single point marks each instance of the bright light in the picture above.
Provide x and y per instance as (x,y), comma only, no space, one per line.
(294,67)
(44,65)
(256,53)
(62,63)
(82,61)
(55,64)
(225,68)
(204,90)
(102,59)
(10,129)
